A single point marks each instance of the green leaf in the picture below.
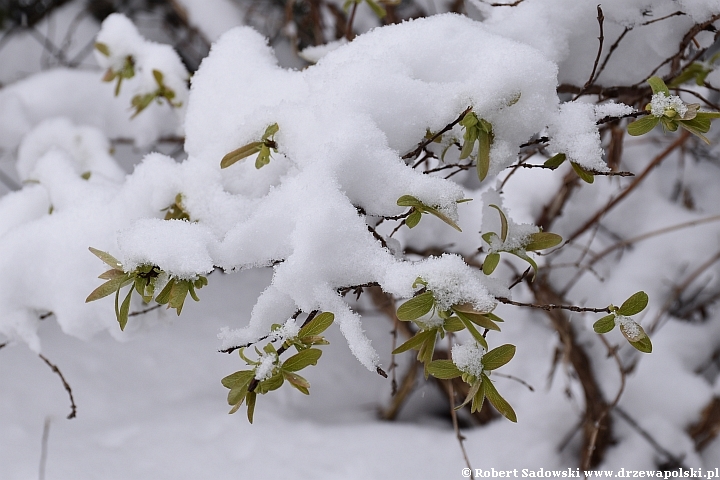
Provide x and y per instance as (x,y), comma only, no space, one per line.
(164,295)
(605,324)
(478,319)
(124,310)
(111,286)
(317,325)
(413,219)
(178,294)
(479,398)
(107,258)
(489,237)
(263,157)
(250,401)
(503,223)
(270,131)
(237,395)
(416,307)
(582,173)
(158,75)
(453,324)
(634,305)
(442,216)
(483,158)
(302,359)
(272,383)
(102,48)
(297,381)
(642,125)
(490,263)
(634,337)
(475,389)
(110,274)
(497,357)
(443,369)
(658,85)
(415,341)
(555,161)
(425,353)
(240,153)
(543,240)
(376,8)
(644,344)
(474,332)
(238,379)
(500,404)
(409,201)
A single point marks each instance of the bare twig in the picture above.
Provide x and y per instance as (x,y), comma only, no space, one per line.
(638,179)
(548,307)
(73,407)
(142,312)
(428,141)
(612,49)
(643,433)
(453,414)
(601,38)
(43,448)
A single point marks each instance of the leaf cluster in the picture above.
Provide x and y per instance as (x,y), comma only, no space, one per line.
(480,131)
(697,71)
(244,385)
(693,120)
(630,329)
(417,208)
(141,101)
(534,242)
(176,211)
(480,387)
(456,319)
(262,148)
(126,71)
(144,280)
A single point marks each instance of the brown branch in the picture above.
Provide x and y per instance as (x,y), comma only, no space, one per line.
(73,407)
(349,28)
(456,427)
(669,457)
(662,18)
(428,141)
(707,428)
(605,174)
(142,312)
(407,385)
(638,179)
(597,427)
(612,49)
(601,38)
(551,306)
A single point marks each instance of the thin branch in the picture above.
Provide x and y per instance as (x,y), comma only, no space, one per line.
(43,448)
(512,377)
(651,234)
(601,38)
(643,433)
(606,174)
(54,368)
(453,414)
(612,49)
(662,18)
(612,351)
(348,29)
(707,102)
(678,290)
(638,179)
(142,312)
(548,307)
(428,141)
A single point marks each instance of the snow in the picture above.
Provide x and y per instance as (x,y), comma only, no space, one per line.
(294,234)
(661,104)
(468,358)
